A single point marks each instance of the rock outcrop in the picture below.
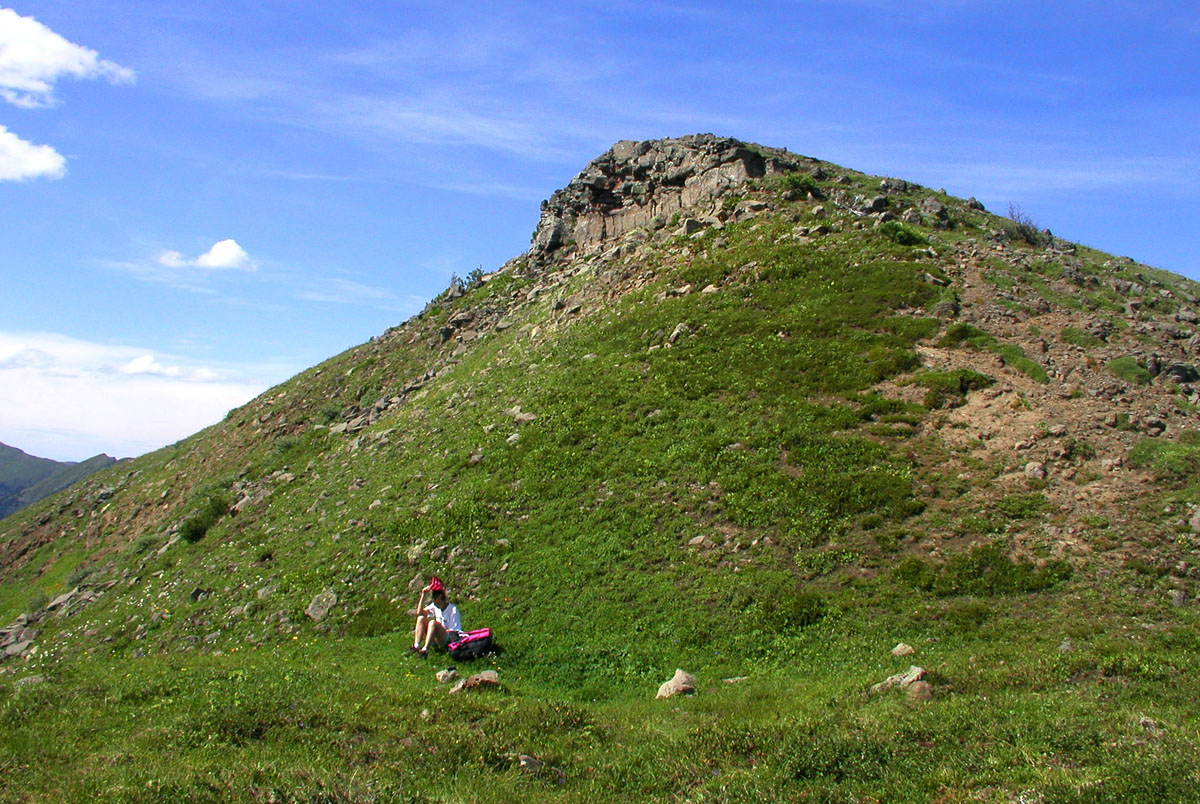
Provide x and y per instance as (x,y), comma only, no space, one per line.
(642,184)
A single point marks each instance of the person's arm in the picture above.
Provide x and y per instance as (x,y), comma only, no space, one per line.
(421,601)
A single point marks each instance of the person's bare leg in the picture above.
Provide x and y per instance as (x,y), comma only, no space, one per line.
(436,631)
(420,629)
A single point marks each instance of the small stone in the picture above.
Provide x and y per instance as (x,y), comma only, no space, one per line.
(29,681)
(488,678)
(1179,598)
(681,682)
(901,680)
(1036,470)
(320,605)
(447,675)
(903,650)
(920,691)
(1067,646)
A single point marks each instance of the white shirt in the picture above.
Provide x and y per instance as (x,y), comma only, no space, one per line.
(448,617)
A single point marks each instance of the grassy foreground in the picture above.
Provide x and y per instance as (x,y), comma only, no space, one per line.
(1015,710)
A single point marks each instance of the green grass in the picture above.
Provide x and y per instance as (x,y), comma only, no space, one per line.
(950,388)
(1128,369)
(711,481)
(1078,337)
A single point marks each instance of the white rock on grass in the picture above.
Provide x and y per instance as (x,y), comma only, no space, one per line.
(681,682)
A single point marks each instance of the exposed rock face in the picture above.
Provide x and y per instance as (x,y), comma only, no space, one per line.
(641,184)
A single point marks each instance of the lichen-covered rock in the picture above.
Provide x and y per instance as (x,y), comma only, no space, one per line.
(320,605)
(639,184)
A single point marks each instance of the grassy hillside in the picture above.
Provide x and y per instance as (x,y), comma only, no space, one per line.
(764,441)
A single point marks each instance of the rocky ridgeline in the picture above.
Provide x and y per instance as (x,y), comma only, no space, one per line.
(643,184)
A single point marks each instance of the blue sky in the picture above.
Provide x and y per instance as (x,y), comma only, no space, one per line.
(199,199)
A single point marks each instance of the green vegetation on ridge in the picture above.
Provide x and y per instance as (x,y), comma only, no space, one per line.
(627,477)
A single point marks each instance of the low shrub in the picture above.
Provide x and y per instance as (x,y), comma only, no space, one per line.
(985,570)
(36,603)
(1177,461)
(1127,368)
(1014,356)
(1022,506)
(801,183)
(1022,227)
(1078,337)
(203,517)
(902,235)
(960,333)
(966,616)
(950,388)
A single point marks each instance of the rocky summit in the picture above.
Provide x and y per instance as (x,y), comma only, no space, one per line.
(765,422)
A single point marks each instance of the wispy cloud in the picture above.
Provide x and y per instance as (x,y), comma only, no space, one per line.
(338,290)
(67,398)
(195,274)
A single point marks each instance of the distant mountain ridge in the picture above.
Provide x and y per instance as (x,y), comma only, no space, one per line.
(25,479)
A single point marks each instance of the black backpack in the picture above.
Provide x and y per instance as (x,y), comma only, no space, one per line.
(471,645)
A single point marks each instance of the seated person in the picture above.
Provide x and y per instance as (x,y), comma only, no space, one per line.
(438,623)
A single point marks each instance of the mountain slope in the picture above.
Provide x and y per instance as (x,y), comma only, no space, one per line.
(25,479)
(736,410)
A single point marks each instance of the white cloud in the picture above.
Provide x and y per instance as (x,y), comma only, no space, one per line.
(69,399)
(21,160)
(33,57)
(224,255)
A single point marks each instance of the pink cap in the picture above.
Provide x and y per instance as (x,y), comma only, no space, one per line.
(436,585)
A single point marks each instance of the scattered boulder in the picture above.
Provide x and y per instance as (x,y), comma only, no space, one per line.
(447,675)
(18,648)
(681,682)
(902,680)
(488,678)
(61,600)
(520,416)
(920,691)
(903,650)
(320,605)
(1035,470)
